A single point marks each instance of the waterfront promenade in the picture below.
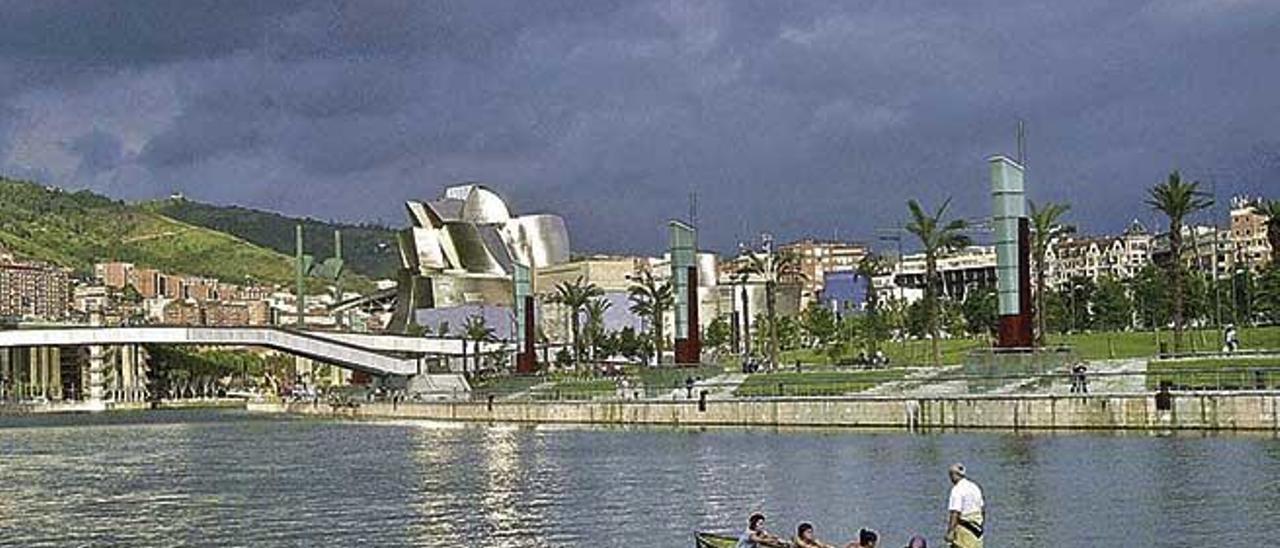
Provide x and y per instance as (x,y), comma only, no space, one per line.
(1205,410)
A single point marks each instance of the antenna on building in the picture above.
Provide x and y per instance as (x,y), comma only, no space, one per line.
(693,208)
(1022,143)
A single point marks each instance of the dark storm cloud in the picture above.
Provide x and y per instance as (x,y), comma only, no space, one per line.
(801,118)
(98,150)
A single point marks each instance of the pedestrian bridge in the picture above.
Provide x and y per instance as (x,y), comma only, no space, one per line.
(374,354)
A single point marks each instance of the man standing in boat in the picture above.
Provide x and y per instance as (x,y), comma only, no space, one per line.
(965,510)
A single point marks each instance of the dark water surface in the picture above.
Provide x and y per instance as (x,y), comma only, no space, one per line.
(209,478)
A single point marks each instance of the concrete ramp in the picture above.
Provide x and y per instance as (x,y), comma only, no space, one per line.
(329,350)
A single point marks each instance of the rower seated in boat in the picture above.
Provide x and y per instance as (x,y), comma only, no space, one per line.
(757,537)
(805,538)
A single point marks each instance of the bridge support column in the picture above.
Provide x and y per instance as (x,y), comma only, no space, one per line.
(97,362)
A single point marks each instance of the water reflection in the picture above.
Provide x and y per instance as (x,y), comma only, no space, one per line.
(234,479)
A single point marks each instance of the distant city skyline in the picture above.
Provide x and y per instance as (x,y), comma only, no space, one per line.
(813,119)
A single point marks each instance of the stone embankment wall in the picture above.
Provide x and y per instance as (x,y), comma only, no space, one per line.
(1200,411)
(92,407)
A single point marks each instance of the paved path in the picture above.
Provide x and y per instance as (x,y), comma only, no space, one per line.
(1132,380)
(524,394)
(719,387)
(921,383)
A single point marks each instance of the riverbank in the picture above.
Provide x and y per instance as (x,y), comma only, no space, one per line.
(91,407)
(1236,410)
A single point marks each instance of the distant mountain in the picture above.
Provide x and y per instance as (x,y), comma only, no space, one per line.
(367,249)
(77,229)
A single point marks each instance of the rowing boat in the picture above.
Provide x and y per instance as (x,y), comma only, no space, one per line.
(712,540)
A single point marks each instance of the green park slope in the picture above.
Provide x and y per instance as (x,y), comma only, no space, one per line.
(77,229)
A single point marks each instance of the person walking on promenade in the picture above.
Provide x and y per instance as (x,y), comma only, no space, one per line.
(965,510)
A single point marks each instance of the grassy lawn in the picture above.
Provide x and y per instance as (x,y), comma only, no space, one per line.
(1137,344)
(670,377)
(578,389)
(905,354)
(503,386)
(818,383)
(1089,346)
(1224,373)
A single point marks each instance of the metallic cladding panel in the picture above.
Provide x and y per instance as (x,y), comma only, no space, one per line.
(408,250)
(537,240)
(446,210)
(473,255)
(429,253)
(497,248)
(419,214)
(458,192)
(1008,205)
(483,206)
(708,268)
(683,258)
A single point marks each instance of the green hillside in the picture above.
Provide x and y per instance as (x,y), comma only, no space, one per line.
(367,249)
(77,229)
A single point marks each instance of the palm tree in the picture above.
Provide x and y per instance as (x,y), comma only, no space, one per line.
(1045,226)
(773,268)
(871,267)
(937,236)
(1271,208)
(595,322)
(575,296)
(651,299)
(477,330)
(1177,199)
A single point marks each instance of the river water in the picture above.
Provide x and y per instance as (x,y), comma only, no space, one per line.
(203,478)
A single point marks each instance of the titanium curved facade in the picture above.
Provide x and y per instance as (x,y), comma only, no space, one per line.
(464,247)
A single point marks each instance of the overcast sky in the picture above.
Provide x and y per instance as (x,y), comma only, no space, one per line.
(798,118)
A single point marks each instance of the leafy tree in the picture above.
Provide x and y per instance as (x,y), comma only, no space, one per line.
(819,324)
(979,310)
(1112,308)
(773,268)
(1151,300)
(1077,295)
(1271,208)
(575,296)
(1045,226)
(1057,311)
(916,320)
(595,333)
(606,344)
(651,299)
(951,315)
(564,358)
(1176,200)
(475,329)
(630,345)
(785,330)
(869,268)
(1265,296)
(937,236)
(1199,302)
(718,334)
